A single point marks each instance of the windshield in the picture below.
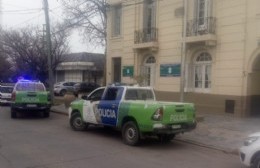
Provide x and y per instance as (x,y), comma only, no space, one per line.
(29,86)
(4,89)
(139,94)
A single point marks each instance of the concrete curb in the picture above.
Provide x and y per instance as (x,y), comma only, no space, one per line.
(58,112)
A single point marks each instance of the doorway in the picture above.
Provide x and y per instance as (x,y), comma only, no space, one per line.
(254,92)
(148,71)
(116,69)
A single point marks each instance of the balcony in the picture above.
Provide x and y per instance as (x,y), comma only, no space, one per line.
(201,30)
(146,38)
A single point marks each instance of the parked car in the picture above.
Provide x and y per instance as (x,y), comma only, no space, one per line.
(85,87)
(62,88)
(5,94)
(250,151)
(30,95)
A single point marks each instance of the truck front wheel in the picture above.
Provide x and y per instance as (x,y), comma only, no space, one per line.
(13,113)
(77,123)
(256,162)
(130,133)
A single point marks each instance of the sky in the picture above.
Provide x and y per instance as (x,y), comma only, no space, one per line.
(21,13)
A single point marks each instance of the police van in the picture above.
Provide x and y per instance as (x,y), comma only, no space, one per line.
(32,96)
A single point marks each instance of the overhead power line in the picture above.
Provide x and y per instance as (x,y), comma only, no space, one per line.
(30,19)
(21,10)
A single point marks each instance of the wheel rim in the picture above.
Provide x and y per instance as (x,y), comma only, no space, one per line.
(131,133)
(78,123)
(63,92)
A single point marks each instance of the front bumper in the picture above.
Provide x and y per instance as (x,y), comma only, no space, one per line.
(173,128)
(5,101)
(245,155)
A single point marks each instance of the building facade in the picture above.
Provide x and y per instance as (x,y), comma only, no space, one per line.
(81,67)
(201,51)
(1,14)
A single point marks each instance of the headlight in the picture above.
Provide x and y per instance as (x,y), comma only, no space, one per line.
(250,140)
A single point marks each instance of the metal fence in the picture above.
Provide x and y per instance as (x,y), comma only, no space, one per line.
(146,35)
(201,26)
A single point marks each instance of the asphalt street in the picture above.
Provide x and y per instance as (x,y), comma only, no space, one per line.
(31,141)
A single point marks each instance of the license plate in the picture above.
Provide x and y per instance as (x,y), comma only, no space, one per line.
(178,117)
(31,105)
(176,126)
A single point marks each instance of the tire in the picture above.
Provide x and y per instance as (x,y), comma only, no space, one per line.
(13,113)
(77,123)
(166,138)
(46,114)
(130,134)
(256,162)
(63,92)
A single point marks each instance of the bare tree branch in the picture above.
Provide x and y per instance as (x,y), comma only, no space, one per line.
(89,16)
(26,49)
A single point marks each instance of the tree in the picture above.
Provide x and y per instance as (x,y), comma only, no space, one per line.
(89,16)
(5,65)
(26,50)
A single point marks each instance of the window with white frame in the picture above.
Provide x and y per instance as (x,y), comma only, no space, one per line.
(116,20)
(202,72)
(203,12)
(149,14)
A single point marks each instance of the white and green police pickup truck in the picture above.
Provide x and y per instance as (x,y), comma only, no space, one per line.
(134,111)
(30,95)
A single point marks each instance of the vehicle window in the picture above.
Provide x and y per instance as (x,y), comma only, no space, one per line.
(71,83)
(139,94)
(113,94)
(97,95)
(6,89)
(30,87)
(131,94)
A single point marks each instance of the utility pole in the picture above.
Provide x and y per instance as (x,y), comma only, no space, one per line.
(183,51)
(48,40)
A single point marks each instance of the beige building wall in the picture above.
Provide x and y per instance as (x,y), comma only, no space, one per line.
(234,48)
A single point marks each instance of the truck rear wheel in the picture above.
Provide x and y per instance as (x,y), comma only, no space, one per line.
(63,92)
(77,123)
(13,113)
(46,114)
(130,133)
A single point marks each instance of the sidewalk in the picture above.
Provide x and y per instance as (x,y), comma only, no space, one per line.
(222,132)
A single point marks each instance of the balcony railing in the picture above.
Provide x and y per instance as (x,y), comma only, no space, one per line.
(201,26)
(146,35)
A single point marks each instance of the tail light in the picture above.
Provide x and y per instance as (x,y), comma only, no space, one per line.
(158,114)
(13,96)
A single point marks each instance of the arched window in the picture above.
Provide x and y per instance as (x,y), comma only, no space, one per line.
(202,72)
(150,60)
